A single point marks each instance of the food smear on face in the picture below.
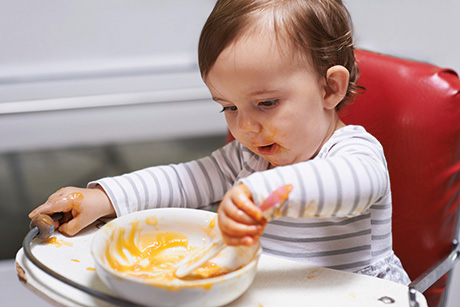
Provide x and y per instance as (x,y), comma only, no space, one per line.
(153,255)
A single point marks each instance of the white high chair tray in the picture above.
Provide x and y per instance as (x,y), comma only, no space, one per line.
(279,282)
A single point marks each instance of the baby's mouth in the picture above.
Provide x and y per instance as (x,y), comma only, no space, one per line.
(267,149)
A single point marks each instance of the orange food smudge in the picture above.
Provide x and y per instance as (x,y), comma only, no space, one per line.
(212,224)
(76,198)
(209,230)
(58,243)
(152,221)
(211,233)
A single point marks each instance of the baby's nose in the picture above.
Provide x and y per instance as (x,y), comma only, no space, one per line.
(249,124)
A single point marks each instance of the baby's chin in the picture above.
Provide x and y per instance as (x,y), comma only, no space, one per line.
(284,160)
(276,161)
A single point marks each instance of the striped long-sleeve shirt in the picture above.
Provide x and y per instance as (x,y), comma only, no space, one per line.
(338,214)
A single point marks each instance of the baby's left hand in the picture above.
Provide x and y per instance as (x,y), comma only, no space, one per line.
(240,220)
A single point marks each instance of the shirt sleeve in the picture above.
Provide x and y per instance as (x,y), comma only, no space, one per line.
(193,184)
(345,179)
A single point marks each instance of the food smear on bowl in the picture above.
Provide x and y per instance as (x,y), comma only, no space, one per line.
(152,221)
(209,230)
(212,224)
(154,255)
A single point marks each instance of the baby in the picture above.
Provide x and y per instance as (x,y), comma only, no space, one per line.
(281,70)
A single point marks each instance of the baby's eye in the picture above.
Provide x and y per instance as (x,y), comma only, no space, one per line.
(268,103)
(230,108)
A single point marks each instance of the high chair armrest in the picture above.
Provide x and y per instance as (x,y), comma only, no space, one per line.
(433,274)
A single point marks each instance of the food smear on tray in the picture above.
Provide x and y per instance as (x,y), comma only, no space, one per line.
(56,242)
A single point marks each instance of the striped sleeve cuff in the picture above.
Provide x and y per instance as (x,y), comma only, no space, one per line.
(116,194)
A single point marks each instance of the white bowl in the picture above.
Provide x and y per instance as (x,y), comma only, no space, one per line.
(113,241)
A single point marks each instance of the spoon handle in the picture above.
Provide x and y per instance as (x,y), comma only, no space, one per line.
(277,197)
(191,264)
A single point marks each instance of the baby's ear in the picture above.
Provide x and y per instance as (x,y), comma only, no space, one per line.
(337,78)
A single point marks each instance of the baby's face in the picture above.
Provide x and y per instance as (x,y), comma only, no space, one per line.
(273,104)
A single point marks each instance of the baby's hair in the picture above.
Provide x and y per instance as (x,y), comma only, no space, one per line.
(319,31)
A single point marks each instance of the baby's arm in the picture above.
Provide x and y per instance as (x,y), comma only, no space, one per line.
(345,181)
(194,184)
(81,207)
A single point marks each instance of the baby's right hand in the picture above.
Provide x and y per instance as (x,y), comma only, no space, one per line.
(81,207)
(240,220)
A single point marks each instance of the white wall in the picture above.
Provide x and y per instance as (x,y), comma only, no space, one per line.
(58,38)
(99,71)
(423,30)
(54,37)
(74,55)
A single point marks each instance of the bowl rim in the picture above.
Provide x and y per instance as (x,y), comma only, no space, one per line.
(172,284)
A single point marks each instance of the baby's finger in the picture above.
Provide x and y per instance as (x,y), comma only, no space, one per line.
(73,226)
(235,229)
(233,212)
(236,241)
(47,208)
(245,204)
(35,212)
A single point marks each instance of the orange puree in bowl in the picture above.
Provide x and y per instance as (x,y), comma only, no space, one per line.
(153,255)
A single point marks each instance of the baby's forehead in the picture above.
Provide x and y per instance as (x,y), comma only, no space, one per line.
(277,32)
(267,40)
(256,55)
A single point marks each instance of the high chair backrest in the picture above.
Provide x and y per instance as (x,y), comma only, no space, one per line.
(413,109)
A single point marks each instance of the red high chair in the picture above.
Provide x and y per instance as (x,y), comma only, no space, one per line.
(413,109)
